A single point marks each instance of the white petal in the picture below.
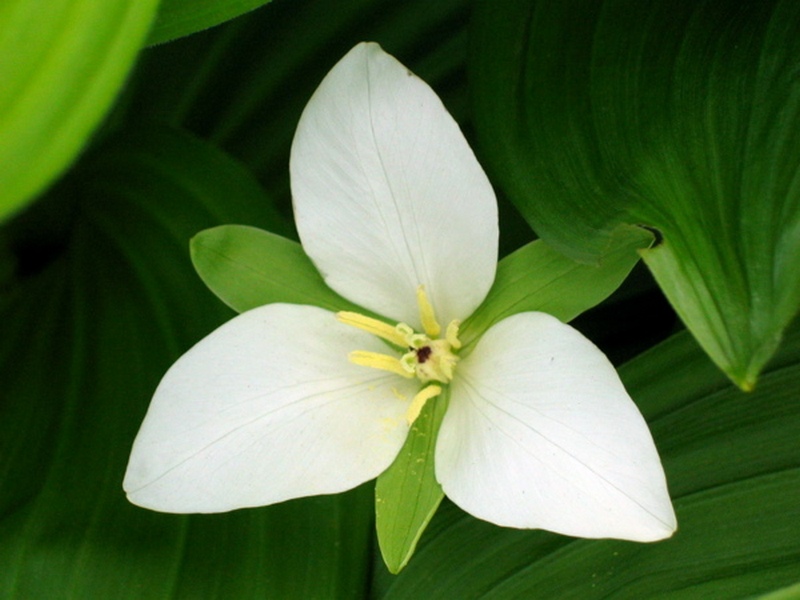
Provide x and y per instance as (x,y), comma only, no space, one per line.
(264,409)
(540,433)
(388,195)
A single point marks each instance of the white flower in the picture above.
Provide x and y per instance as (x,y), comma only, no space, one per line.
(287,401)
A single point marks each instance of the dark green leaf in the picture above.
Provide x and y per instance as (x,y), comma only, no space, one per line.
(85,340)
(681,116)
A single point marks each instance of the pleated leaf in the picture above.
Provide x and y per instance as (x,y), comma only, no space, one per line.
(680,116)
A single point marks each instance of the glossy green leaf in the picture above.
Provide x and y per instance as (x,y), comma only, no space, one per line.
(88,331)
(407,493)
(62,62)
(177,18)
(681,116)
(537,278)
(248,267)
(733,466)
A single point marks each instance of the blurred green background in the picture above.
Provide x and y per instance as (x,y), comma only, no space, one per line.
(126,127)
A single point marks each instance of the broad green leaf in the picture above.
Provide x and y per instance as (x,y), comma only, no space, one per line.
(537,278)
(680,116)
(733,466)
(248,267)
(86,336)
(177,18)
(407,493)
(62,62)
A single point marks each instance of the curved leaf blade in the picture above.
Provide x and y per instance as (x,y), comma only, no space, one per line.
(61,63)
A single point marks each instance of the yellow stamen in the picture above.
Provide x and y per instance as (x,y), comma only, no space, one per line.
(452,335)
(419,401)
(384,362)
(373,326)
(429,323)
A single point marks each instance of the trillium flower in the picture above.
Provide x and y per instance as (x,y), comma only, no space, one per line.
(286,401)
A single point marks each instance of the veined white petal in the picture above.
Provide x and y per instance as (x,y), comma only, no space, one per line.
(540,433)
(264,409)
(388,195)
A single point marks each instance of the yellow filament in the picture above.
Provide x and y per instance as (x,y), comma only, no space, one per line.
(384,362)
(373,326)
(452,335)
(429,322)
(419,401)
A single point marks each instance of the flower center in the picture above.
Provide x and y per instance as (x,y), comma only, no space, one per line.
(426,356)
